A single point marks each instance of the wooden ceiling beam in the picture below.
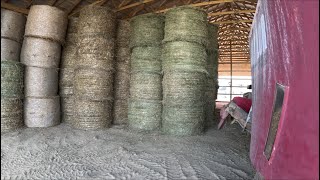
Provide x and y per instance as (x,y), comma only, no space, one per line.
(14,8)
(98,3)
(232,22)
(231,12)
(134,5)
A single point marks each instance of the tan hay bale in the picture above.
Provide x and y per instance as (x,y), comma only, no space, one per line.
(69,56)
(12,25)
(40,82)
(40,52)
(123,33)
(10,50)
(67,104)
(66,91)
(66,77)
(96,44)
(72,25)
(120,111)
(121,85)
(123,54)
(42,112)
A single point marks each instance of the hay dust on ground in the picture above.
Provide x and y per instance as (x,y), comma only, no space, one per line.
(64,153)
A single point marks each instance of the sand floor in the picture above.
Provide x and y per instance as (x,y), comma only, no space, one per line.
(64,153)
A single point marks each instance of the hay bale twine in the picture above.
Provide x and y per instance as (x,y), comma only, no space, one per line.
(40,52)
(72,27)
(146,59)
(183,121)
(182,88)
(146,86)
(180,55)
(12,79)
(67,104)
(12,25)
(147,30)
(10,50)
(11,114)
(69,56)
(40,82)
(213,36)
(42,111)
(120,111)
(97,20)
(94,84)
(121,85)
(46,22)
(144,115)
(90,114)
(123,33)
(186,23)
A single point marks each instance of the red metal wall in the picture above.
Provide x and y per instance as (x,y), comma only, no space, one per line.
(284,44)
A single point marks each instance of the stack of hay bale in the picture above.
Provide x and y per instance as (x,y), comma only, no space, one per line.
(45,32)
(145,106)
(12,30)
(67,65)
(122,75)
(212,67)
(184,60)
(93,78)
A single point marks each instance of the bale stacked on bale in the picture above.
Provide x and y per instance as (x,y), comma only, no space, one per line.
(212,67)
(122,74)
(184,60)
(144,109)
(12,71)
(93,76)
(67,66)
(44,34)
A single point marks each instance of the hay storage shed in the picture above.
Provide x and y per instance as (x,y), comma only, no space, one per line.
(140,89)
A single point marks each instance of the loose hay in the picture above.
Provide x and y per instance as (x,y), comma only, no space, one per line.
(144,115)
(183,89)
(146,86)
(186,24)
(12,79)
(94,84)
(42,112)
(187,56)
(120,111)
(121,85)
(12,25)
(46,22)
(146,59)
(97,20)
(41,82)
(10,50)
(147,30)
(11,114)
(123,33)
(40,52)
(89,114)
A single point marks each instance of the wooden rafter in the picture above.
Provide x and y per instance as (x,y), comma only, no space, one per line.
(14,8)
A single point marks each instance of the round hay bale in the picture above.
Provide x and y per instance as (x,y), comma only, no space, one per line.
(181,88)
(146,86)
(209,113)
(69,56)
(10,50)
(95,61)
(147,30)
(97,20)
(89,114)
(121,85)
(12,79)
(40,52)
(40,82)
(72,25)
(123,54)
(123,67)
(66,77)
(186,24)
(213,37)
(11,114)
(12,25)
(183,121)
(67,104)
(120,112)
(66,91)
(146,59)
(42,112)
(144,115)
(71,39)
(179,55)
(47,22)
(96,44)
(123,33)
(94,84)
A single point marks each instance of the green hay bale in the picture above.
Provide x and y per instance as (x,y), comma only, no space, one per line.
(146,86)
(183,89)
(147,30)
(120,112)
(97,20)
(11,114)
(94,84)
(146,59)
(183,121)
(12,79)
(213,37)
(144,115)
(181,55)
(186,24)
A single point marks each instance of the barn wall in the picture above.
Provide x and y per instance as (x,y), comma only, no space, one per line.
(284,49)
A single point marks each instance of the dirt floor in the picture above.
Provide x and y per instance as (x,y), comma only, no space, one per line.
(64,153)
